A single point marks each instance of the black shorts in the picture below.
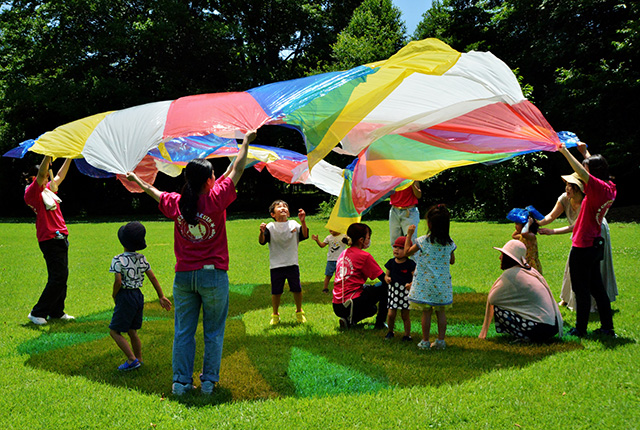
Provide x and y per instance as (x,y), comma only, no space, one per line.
(289,273)
(128,312)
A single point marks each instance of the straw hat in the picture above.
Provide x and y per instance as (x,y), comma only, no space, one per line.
(516,250)
(575,180)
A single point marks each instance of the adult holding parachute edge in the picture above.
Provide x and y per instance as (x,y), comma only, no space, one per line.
(587,243)
(51,230)
(202,261)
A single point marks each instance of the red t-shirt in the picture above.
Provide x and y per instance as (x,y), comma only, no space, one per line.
(404,198)
(47,222)
(599,197)
(353,269)
(205,243)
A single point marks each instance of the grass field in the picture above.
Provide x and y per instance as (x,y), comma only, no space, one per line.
(308,376)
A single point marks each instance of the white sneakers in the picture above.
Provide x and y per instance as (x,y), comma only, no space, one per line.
(424,344)
(438,344)
(37,320)
(43,321)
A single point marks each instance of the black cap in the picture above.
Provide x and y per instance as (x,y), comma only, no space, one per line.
(131,236)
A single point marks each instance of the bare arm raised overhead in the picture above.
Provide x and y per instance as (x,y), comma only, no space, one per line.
(241,159)
(146,187)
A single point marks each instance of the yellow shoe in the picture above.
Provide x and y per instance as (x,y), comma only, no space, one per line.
(275,319)
(300,317)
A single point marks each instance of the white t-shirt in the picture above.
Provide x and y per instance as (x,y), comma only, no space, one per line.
(336,246)
(283,243)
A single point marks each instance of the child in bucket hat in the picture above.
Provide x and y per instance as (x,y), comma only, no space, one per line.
(129,269)
(526,229)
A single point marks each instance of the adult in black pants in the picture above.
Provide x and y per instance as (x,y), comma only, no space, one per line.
(587,244)
(354,301)
(51,231)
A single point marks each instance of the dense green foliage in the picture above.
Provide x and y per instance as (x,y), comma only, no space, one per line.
(375,33)
(579,57)
(62,60)
(312,376)
(65,60)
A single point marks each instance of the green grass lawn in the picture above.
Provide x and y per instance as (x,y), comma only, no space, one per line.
(308,376)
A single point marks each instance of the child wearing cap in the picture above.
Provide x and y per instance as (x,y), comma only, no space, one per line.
(129,269)
(399,275)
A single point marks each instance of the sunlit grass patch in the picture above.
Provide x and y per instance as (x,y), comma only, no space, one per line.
(321,321)
(296,374)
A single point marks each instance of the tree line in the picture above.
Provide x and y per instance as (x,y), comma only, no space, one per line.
(61,61)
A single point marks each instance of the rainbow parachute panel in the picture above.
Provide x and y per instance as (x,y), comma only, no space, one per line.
(426,109)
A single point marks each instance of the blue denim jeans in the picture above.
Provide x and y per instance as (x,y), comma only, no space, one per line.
(209,289)
(400,220)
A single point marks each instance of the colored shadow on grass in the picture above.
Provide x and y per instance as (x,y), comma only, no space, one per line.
(289,360)
(315,375)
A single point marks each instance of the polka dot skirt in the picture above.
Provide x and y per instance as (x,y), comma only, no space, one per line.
(398,297)
(513,324)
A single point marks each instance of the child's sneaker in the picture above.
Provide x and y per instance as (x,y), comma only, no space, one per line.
(389,336)
(407,339)
(129,366)
(439,344)
(300,317)
(66,317)
(275,319)
(179,389)
(424,344)
(207,387)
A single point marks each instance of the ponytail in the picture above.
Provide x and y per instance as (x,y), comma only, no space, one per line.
(196,174)
(355,232)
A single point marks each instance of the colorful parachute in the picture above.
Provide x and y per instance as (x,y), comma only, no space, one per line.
(425,109)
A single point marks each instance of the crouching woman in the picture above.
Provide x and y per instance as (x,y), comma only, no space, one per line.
(520,300)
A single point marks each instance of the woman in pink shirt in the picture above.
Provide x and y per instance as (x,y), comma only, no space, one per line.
(202,261)
(352,300)
(51,230)
(587,244)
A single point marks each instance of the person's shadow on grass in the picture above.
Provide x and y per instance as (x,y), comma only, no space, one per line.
(297,360)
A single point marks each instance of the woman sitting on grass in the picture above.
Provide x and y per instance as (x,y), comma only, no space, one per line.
(521,300)
(352,300)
